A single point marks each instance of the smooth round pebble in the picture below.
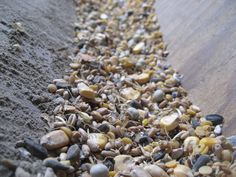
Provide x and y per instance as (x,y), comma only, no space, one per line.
(52,88)
(158,96)
(215,119)
(99,170)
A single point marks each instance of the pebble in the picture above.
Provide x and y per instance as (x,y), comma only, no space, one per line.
(85,91)
(205,170)
(52,88)
(169,122)
(133,113)
(215,119)
(99,170)
(49,173)
(159,155)
(73,152)
(54,140)
(158,96)
(201,161)
(20,172)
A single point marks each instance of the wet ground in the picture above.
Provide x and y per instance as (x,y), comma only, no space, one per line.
(29,59)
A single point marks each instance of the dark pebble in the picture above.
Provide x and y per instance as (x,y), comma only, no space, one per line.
(73,152)
(145,140)
(215,119)
(195,123)
(35,148)
(201,161)
(104,128)
(62,85)
(54,164)
(135,104)
(109,163)
(159,155)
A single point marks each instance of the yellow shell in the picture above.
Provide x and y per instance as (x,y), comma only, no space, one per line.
(126,140)
(208,141)
(98,139)
(85,91)
(171,164)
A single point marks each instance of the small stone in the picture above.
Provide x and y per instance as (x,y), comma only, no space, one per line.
(123,163)
(35,148)
(158,96)
(177,153)
(133,113)
(226,155)
(183,171)
(20,172)
(159,155)
(129,93)
(215,119)
(205,170)
(105,128)
(54,140)
(73,152)
(52,88)
(99,170)
(139,172)
(139,48)
(135,104)
(169,122)
(49,173)
(218,130)
(155,171)
(54,164)
(201,161)
(85,91)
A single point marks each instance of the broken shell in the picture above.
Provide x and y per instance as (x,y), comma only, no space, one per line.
(155,171)
(208,141)
(183,171)
(139,172)
(54,140)
(123,163)
(190,141)
(138,48)
(169,122)
(142,78)
(97,141)
(129,93)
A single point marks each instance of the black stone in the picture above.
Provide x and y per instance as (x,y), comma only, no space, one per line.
(135,104)
(201,161)
(215,119)
(104,128)
(158,155)
(35,148)
(145,140)
(54,164)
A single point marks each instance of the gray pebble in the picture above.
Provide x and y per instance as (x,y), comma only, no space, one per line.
(133,113)
(99,170)
(232,140)
(201,161)
(158,96)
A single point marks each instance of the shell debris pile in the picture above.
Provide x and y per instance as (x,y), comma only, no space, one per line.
(122,110)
